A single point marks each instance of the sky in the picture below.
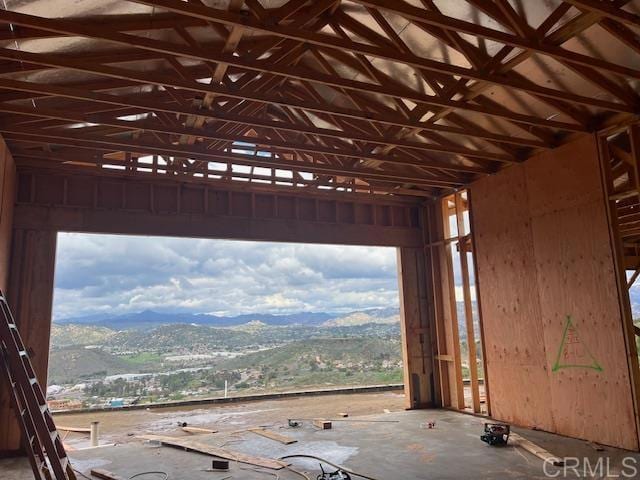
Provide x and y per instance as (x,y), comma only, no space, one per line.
(117,274)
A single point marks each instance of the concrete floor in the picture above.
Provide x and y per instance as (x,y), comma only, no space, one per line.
(396,450)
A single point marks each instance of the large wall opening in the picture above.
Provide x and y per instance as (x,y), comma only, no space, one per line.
(157,319)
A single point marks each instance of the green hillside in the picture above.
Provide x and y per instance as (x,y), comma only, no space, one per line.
(195,360)
(318,351)
(75,364)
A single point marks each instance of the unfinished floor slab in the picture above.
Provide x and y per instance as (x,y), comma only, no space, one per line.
(394,445)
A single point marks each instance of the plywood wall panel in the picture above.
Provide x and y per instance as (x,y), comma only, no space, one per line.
(543,254)
(563,178)
(514,346)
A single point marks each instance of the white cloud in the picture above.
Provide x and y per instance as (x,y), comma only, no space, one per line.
(123,274)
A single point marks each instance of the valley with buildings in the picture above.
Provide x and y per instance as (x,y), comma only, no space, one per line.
(151,357)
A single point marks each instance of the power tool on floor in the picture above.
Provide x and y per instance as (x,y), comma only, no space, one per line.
(337,475)
(496,433)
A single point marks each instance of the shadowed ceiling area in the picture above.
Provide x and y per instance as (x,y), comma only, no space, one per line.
(414,98)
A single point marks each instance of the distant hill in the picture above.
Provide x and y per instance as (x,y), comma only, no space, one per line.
(72,334)
(253,345)
(175,337)
(380,315)
(345,350)
(72,364)
(149,318)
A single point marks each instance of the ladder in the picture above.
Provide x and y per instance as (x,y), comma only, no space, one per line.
(40,437)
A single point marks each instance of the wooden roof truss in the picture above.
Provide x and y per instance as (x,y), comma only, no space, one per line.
(387,97)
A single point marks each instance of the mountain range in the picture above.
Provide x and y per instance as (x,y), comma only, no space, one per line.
(150,318)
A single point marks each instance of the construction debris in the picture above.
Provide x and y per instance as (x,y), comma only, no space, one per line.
(200,447)
(595,446)
(73,429)
(345,471)
(496,433)
(105,474)
(198,430)
(219,464)
(343,414)
(337,475)
(322,424)
(273,436)
(536,450)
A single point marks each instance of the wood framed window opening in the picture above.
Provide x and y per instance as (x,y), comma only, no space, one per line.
(458,334)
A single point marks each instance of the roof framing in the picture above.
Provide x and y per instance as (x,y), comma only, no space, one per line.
(365,96)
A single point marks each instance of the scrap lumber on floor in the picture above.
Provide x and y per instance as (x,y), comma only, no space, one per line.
(322,424)
(273,435)
(198,430)
(536,450)
(195,446)
(105,474)
(73,429)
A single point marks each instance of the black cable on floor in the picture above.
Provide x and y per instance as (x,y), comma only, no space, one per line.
(339,467)
(166,475)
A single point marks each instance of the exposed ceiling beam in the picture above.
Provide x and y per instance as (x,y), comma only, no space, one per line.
(143,147)
(176,82)
(154,126)
(607,9)
(140,101)
(416,14)
(69,27)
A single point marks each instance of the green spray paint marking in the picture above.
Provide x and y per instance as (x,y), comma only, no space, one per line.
(570,339)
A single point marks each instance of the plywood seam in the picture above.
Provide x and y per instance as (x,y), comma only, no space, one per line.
(538,300)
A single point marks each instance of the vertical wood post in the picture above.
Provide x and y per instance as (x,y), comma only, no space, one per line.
(30,296)
(416,325)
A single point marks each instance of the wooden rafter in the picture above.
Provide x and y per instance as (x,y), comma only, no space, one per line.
(334,88)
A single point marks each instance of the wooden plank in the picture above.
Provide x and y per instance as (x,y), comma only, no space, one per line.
(468,309)
(198,430)
(451,322)
(105,474)
(536,450)
(73,429)
(273,436)
(483,344)
(204,448)
(445,358)
(434,240)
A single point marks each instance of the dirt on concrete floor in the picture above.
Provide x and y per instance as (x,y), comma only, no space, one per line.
(122,426)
